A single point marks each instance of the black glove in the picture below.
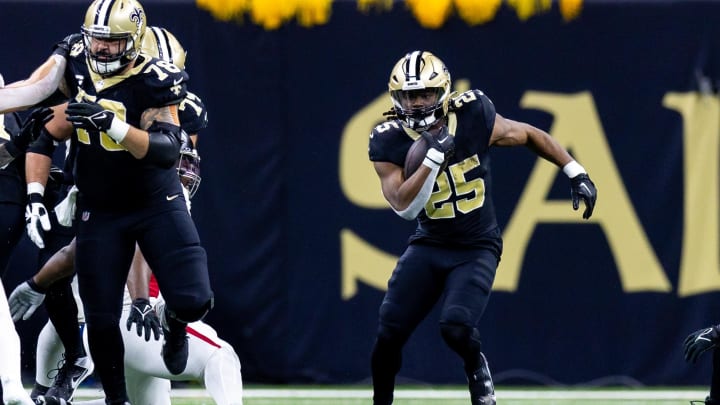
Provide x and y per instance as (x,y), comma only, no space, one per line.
(582,187)
(701,341)
(30,130)
(89,115)
(144,317)
(443,142)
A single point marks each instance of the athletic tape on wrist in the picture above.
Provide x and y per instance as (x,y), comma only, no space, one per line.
(573,168)
(433,158)
(118,130)
(35,187)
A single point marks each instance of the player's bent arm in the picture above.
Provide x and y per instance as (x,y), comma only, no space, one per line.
(59,266)
(138,281)
(407,197)
(37,165)
(157,141)
(507,132)
(41,84)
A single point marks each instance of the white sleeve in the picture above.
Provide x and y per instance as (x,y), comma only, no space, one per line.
(24,96)
(433,160)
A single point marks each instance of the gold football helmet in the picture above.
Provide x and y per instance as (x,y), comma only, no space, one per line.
(162,44)
(420,89)
(113,31)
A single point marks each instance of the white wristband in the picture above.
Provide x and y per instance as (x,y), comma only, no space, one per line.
(433,158)
(572,169)
(35,187)
(118,129)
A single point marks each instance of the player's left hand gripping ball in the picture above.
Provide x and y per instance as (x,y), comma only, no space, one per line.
(93,117)
(701,341)
(581,187)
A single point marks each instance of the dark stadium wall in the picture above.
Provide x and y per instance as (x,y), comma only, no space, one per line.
(301,243)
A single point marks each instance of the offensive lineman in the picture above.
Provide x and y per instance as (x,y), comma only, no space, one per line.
(124,113)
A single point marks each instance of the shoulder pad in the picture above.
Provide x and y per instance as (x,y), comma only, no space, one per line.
(167,82)
(468,97)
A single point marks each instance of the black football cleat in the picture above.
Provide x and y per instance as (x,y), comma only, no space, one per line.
(38,389)
(482,391)
(69,377)
(175,351)
(50,400)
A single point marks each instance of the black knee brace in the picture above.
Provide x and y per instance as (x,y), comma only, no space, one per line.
(189,315)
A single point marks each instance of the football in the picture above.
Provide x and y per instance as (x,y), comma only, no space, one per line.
(415,156)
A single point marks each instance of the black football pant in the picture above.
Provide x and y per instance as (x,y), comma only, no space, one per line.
(59,301)
(460,279)
(12,227)
(106,241)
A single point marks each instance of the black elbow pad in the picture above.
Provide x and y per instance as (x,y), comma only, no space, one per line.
(164,147)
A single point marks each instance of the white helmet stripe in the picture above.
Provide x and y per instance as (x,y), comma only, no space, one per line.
(163,45)
(412,67)
(102,14)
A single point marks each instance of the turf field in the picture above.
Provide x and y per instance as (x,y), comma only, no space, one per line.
(283,395)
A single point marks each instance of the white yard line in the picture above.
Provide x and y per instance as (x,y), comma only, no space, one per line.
(629,394)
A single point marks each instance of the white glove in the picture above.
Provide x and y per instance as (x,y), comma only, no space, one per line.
(24,300)
(65,210)
(37,220)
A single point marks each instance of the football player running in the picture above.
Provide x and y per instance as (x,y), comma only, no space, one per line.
(456,248)
(124,116)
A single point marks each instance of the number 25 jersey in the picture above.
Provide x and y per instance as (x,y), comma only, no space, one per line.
(460,211)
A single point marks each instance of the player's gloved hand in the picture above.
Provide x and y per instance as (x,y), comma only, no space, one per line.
(93,117)
(581,187)
(37,220)
(145,319)
(701,341)
(30,131)
(442,142)
(25,299)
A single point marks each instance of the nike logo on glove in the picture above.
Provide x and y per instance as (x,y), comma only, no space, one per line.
(702,335)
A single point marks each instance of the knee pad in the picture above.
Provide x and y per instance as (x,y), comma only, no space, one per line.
(461,338)
(189,315)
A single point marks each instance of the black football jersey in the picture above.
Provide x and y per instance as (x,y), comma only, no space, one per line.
(460,211)
(108,176)
(193,115)
(12,183)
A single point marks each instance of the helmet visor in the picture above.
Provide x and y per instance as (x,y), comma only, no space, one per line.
(419,102)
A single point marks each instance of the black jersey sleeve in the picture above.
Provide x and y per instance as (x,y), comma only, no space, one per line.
(479,106)
(389,143)
(165,84)
(193,114)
